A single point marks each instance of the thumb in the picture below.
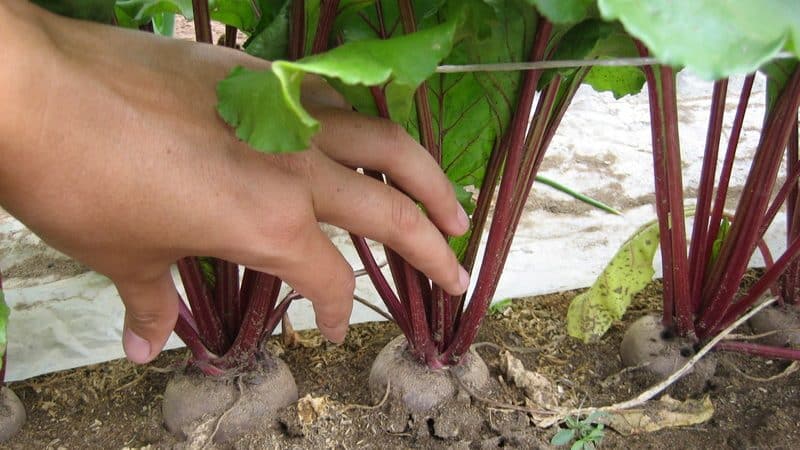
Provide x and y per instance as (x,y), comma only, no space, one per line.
(151,310)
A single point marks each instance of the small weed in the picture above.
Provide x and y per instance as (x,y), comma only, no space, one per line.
(587,433)
(499,307)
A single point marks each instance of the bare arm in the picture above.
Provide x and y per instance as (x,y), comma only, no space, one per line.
(111,150)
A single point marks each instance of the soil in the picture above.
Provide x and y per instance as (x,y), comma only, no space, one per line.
(118,404)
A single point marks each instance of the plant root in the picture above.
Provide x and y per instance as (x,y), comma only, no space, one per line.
(12,414)
(781,322)
(647,345)
(423,401)
(370,407)
(551,416)
(417,387)
(192,398)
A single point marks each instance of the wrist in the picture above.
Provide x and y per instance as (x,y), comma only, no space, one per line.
(26,62)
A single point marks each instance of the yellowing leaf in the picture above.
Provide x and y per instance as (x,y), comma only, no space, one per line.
(664,413)
(591,313)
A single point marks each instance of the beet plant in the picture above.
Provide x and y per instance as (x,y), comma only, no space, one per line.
(12,412)
(383,58)
(704,267)
(422,64)
(228,311)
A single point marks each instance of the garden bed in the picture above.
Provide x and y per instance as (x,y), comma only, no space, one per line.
(117,404)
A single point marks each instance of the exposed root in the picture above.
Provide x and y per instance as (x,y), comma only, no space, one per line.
(500,405)
(500,348)
(369,407)
(614,378)
(142,376)
(417,387)
(225,414)
(244,401)
(782,321)
(755,337)
(550,416)
(790,369)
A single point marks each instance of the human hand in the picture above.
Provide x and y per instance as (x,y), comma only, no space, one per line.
(113,153)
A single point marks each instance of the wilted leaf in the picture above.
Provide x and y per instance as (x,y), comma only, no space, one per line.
(591,313)
(309,408)
(657,415)
(540,390)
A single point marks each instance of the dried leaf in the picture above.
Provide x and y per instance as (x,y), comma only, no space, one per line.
(309,408)
(540,390)
(664,413)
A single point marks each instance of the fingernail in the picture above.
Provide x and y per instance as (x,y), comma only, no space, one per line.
(463,279)
(136,348)
(335,334)
(463,218)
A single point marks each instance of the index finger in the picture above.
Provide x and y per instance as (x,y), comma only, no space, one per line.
(370,208)
(357,140)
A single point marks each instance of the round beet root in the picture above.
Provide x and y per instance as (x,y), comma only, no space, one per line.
(783,320)
(646,343)
(193,398)
(415,385)
(12,414)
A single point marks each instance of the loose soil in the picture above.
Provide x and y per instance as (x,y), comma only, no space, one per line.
(117,404)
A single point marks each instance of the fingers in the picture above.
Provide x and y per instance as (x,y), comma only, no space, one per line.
(151,310)
(375,210)
(359,141)
(318,272)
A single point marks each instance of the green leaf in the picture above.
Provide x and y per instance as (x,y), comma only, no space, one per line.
(4,313)
(208,270)
(578,445)
(576,195)
(591,313)
(236,13)
(464,197)
(563,437)
(459,244)
(620,81)
(724,227)
(164,24)
(713,38)
(778,73)
(95,10)
(135,13)
(564,11)
(498,307)
(270,41)
(265,108)
(595,39)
